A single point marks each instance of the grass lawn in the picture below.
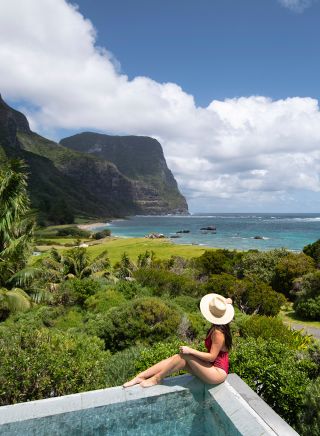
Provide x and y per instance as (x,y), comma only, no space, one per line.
(289,316)
(163,248)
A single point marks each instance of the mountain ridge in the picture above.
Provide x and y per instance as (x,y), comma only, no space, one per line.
(63,179)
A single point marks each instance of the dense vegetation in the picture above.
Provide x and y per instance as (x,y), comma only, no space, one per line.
(80,322)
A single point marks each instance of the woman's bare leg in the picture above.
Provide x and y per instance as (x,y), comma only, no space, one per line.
(204,370)
(148,372)
(173,364)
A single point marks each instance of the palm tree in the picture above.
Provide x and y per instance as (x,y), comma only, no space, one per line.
(72,263)
(16,221)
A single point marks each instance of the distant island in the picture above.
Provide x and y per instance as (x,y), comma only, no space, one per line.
(90,175)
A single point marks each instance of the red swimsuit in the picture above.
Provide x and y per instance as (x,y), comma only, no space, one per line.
(222,360)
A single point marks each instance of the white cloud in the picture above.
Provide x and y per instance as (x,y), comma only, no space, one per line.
(249,151)
(297,6)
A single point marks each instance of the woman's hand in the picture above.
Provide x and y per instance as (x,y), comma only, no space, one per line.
(228,301)
(185,350)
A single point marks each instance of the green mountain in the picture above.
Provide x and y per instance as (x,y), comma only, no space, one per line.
(64,182)
(141,160)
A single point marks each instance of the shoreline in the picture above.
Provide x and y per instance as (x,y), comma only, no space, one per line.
(92,226)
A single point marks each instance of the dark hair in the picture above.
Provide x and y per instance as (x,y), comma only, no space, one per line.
(225,329)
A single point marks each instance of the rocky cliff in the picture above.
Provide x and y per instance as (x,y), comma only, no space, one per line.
(141,160)
(66,181)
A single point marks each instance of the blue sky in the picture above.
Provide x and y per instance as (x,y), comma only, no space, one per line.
(229,88)
(214,49)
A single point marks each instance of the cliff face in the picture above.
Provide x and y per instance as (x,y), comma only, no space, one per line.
(10,122)
(65,180)
(140,159)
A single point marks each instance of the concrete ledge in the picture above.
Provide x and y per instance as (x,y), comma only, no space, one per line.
(184,402)
(262,409)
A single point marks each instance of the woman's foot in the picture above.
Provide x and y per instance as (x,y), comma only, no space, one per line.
(150,382)
(134,381)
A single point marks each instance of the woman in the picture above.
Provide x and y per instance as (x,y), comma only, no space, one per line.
(211,367)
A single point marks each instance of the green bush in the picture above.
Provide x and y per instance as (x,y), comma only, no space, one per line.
(36,317)
(309,417)
(188,304)
(76,291)
(290,268)
(261,264)
(313,250)
(249,295)
(221,284)
(36,364)
(132,289)
(121,367)
(308,309)
(163,283)
(74,232)
(307,304)
(101,234)
(151,355)
(277,373)
(269,328)
(198,327)
(103,300)
(72,319)
(218,261)
(144,320)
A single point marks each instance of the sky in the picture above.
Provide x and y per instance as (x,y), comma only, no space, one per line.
(230,88)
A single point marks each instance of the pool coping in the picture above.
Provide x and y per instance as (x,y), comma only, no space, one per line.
(247,412)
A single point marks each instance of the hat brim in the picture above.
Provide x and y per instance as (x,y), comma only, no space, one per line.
(204,308)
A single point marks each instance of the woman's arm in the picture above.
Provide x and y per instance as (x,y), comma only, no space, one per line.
(217,343)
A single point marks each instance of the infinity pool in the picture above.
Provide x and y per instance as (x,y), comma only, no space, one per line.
(182,406)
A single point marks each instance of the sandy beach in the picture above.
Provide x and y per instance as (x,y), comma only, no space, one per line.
(92,226)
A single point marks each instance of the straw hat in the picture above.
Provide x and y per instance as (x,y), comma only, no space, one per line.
(215,309)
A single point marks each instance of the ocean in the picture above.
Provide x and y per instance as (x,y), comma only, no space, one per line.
(233,230)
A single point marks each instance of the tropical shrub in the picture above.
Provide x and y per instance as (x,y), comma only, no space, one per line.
(146,259)
(36,364)
(217,261)
(288,269)
(71,319)
(309,416)
(104,299)
(125,267)
(313,250)
(251,296)
(36,317)
(187,303)
(149,356)
(74,232)
(261,264)
(163,283)
(143,320)
(307,304)
(277,373)
(269,328)
(308,308)
(132,289)
(101,234)
(120,367)
(221,284)
(81,289)
(74,291)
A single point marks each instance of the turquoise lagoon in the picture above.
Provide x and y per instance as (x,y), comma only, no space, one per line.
(234,231)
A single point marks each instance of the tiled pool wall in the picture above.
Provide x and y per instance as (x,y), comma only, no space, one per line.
(180,406)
